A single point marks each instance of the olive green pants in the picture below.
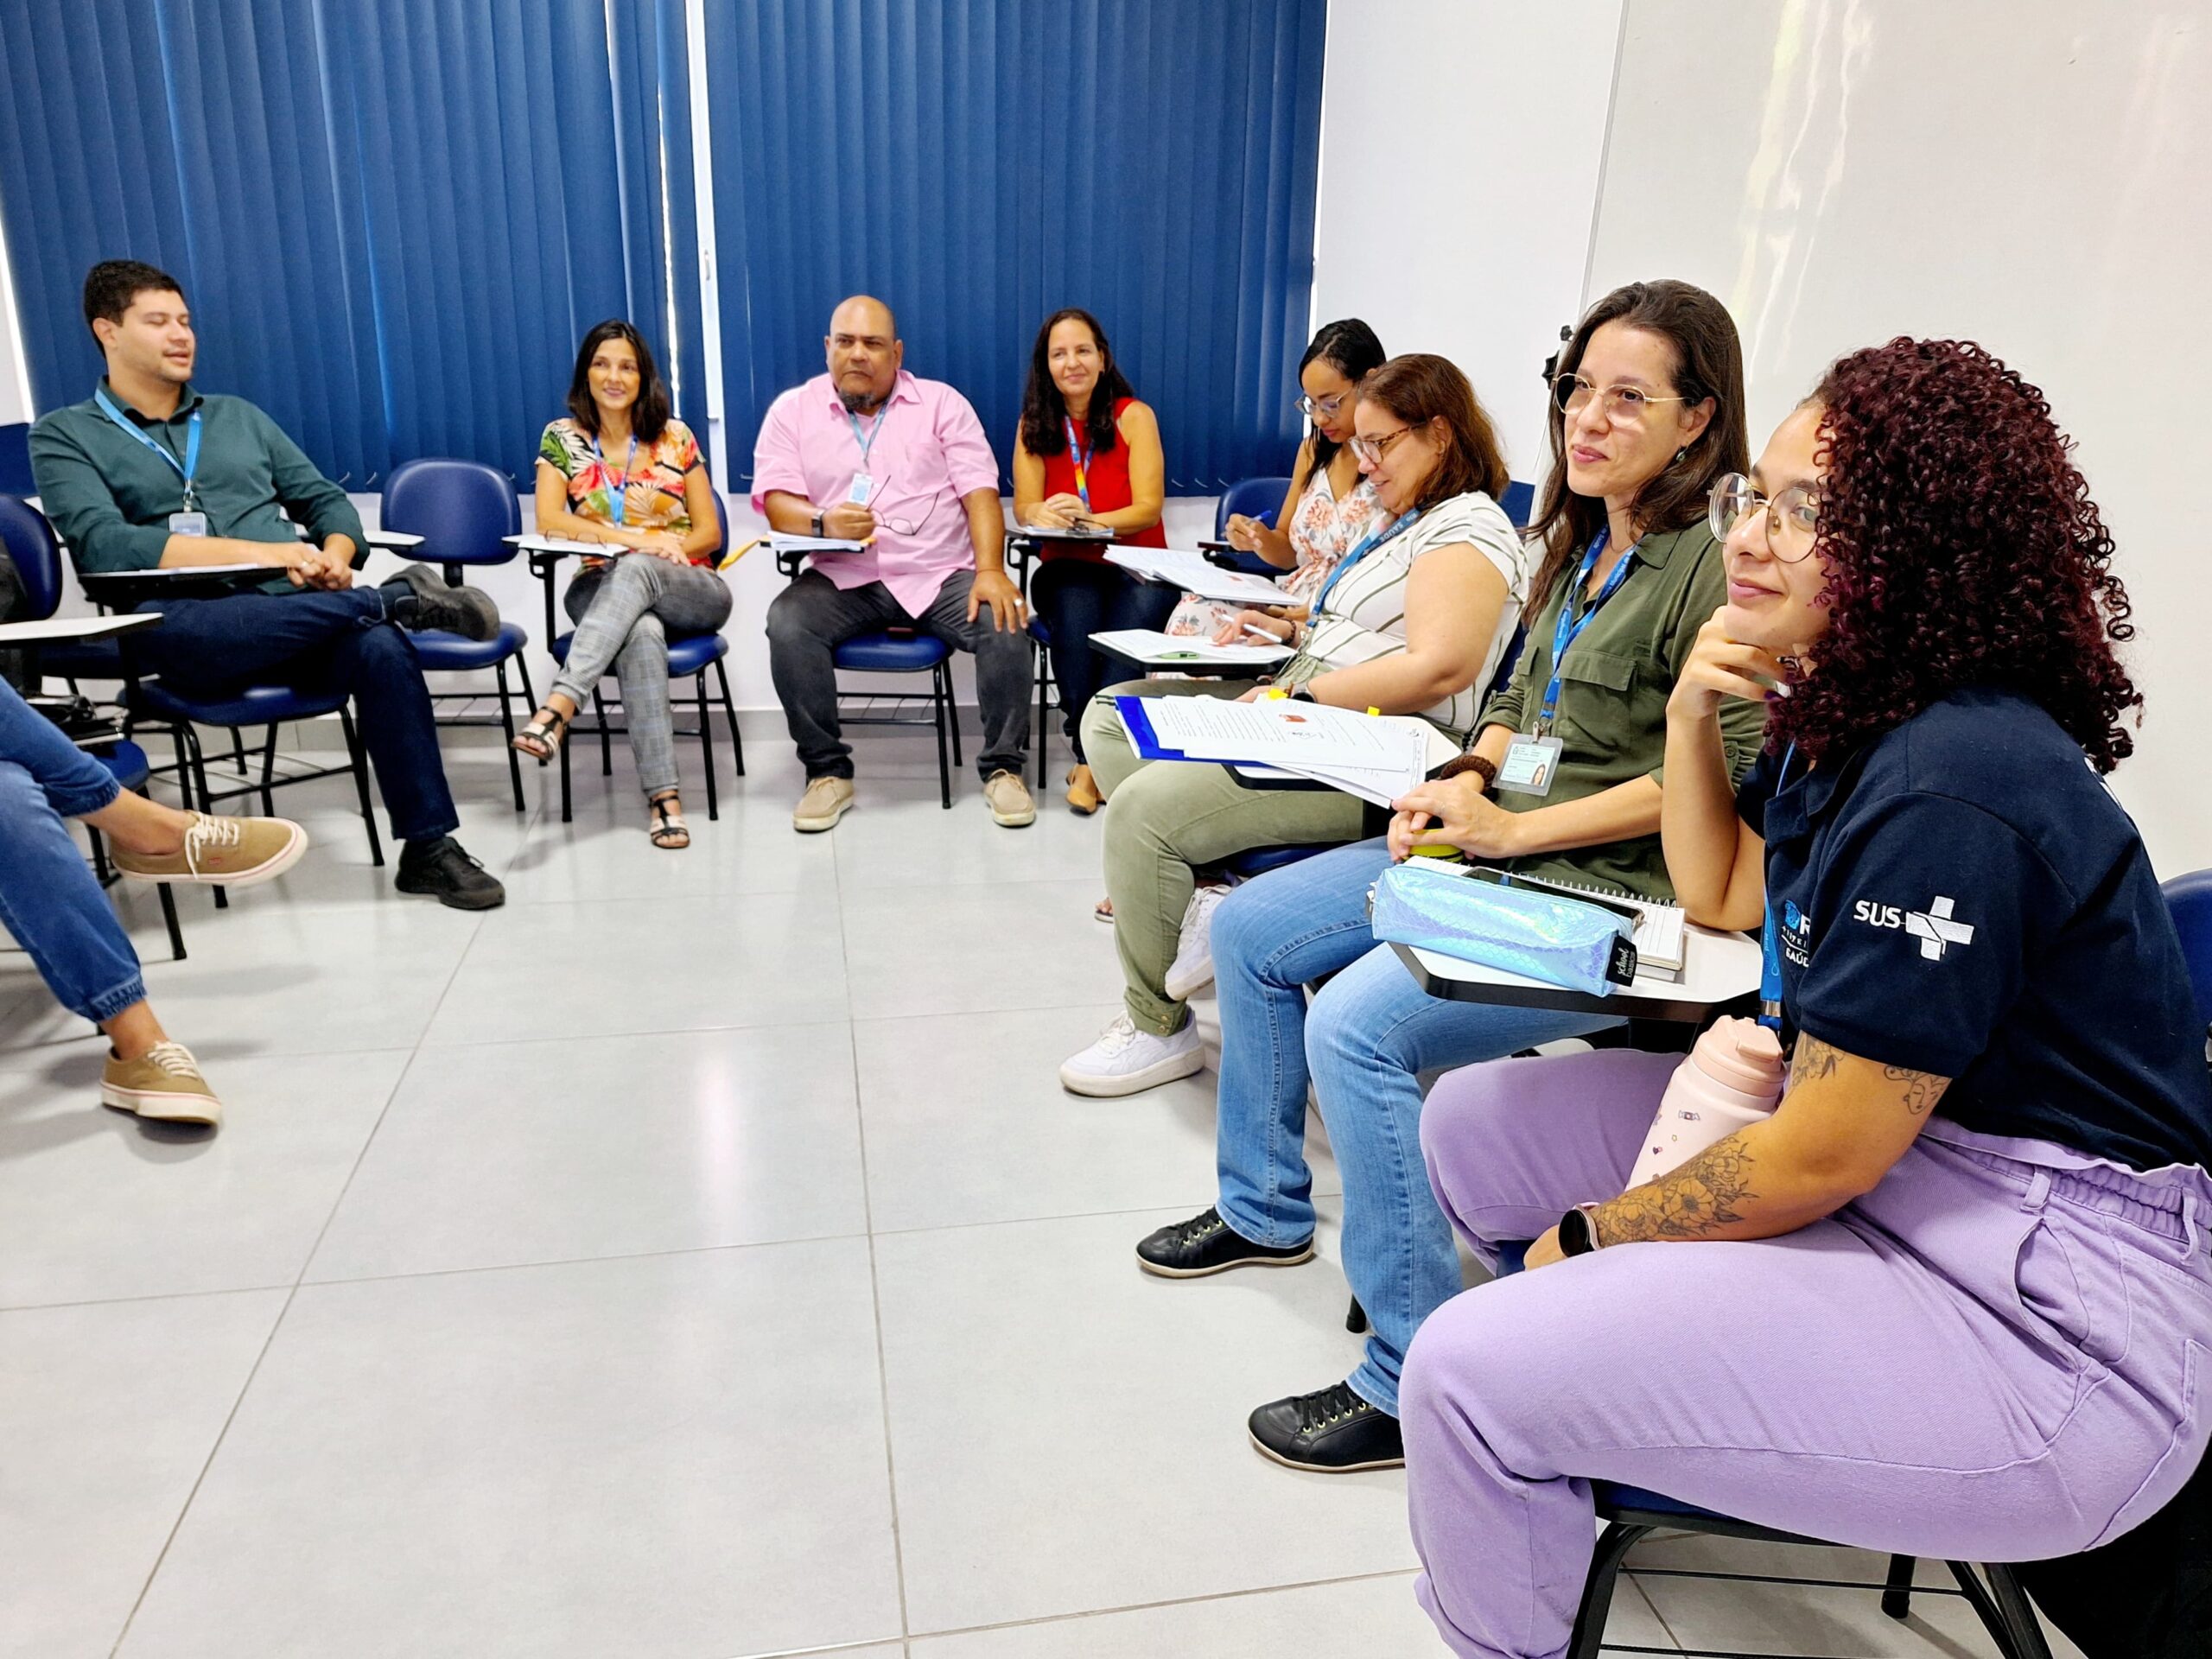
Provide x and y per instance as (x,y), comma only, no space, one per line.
(1166,818)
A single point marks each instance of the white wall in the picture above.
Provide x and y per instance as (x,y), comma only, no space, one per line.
(14,380)
(1461,142)
(2029,174)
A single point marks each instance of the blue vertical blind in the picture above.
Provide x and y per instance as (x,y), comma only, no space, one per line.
(395,218)
(980,164)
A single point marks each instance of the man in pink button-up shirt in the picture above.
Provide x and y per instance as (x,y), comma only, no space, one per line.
(870,452)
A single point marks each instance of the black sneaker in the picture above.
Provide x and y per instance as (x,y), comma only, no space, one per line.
(1205,1244)
(1333,1433)
(441,868)
(430,605)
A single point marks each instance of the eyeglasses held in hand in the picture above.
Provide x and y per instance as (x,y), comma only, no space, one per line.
(1792,518)
(1623,406)
(1371,450)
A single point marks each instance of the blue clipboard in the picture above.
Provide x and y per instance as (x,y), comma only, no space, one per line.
(1139,722)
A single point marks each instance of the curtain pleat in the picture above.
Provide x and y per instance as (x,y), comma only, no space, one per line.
(394,218)
(980,164)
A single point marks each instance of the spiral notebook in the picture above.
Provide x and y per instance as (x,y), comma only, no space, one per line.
(1662,930)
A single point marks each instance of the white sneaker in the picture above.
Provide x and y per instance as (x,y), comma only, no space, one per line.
(1127,1061)
(1193,970)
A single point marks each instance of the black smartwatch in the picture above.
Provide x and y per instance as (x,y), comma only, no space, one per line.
(817,526)
(1577,1237)
(1304,693)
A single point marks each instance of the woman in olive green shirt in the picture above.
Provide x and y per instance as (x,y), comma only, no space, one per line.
(1647,413)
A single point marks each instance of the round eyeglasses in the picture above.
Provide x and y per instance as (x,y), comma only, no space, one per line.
(1792,519)
(1324,409)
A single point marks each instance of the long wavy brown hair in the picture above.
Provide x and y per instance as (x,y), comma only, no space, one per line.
(1962,549)
(1708,363)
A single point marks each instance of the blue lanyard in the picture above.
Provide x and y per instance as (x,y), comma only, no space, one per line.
(184,468)
(1770,936)
(1571,624)
(617,494)
(1082,458)
(874,432)
(1344,564)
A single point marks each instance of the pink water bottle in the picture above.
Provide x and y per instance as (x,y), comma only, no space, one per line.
(1732,1076)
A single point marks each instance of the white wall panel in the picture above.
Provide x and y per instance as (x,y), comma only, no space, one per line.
(2030,175)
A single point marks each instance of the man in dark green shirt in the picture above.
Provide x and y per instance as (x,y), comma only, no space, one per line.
(151,474)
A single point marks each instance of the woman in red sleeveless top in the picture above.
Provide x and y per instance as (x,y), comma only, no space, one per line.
(1087,456)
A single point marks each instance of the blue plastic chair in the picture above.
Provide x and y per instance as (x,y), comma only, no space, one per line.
(689,657)
(1252,497)
(30,542)
(904,651)
(463,510)
(2189,898)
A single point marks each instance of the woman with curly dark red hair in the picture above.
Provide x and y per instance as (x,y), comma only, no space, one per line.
(1952,1298)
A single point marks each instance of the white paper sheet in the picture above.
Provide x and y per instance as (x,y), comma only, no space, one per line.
(1150,645)
(1194,574)
(1280,732)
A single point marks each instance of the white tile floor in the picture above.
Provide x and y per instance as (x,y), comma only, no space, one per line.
(695,1260)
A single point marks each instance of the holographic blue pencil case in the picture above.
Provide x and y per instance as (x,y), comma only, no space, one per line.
(1484,917)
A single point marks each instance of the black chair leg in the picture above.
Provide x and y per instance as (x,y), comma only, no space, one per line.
(707,744)
(268,772)
(1044,732)
(941,698)
(729,710)
(507,725)
(2023,1630)
(206,799)
(101,868)
(183,766)
(1356,1321)
(952,712)
(168,919)
(237,750)
(361,783)
(606,737)
(1897,1594)
(565,736)
(1613,1545)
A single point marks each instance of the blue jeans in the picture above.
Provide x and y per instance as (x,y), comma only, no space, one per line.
(1370,1032)
(317,643)
(49,899)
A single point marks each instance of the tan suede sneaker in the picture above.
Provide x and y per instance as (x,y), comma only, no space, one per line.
(222,852)
(826,801)
(164,1083)
(1008,798)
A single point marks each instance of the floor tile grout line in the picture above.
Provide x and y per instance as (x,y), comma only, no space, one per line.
(1151,1607)
(214,1451)
(874,1283)
(593,1036)
(577,1261)
(1644,1596)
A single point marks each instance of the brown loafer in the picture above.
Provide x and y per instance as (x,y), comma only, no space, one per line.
(1082,791)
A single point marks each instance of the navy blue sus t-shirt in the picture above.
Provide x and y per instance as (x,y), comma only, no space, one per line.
(1962,897)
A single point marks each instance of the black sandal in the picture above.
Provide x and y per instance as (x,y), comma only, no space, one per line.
(541,739)
(669,831)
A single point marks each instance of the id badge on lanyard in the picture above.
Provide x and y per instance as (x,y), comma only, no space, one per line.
(1532,759)
(191,521)
(862,488)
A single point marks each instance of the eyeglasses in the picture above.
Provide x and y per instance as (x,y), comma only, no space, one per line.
(1623,406)
(1371,450)
(1793,519)
(1319,408)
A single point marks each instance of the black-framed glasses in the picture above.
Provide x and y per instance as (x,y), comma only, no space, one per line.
(1371,450)
(1571,393)
(1791,519)
(1319,408)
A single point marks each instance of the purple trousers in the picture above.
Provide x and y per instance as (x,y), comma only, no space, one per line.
(2002,1353)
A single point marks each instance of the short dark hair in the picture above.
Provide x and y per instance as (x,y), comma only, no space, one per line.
(1421,387)
(648,415)
(1043,407)
(110,286)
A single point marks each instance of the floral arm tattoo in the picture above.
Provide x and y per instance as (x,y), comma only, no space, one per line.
(1711,1191)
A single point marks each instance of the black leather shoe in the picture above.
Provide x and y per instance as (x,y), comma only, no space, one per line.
(429,604)
(1205,1244)
(1333,1433)
(441,869)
